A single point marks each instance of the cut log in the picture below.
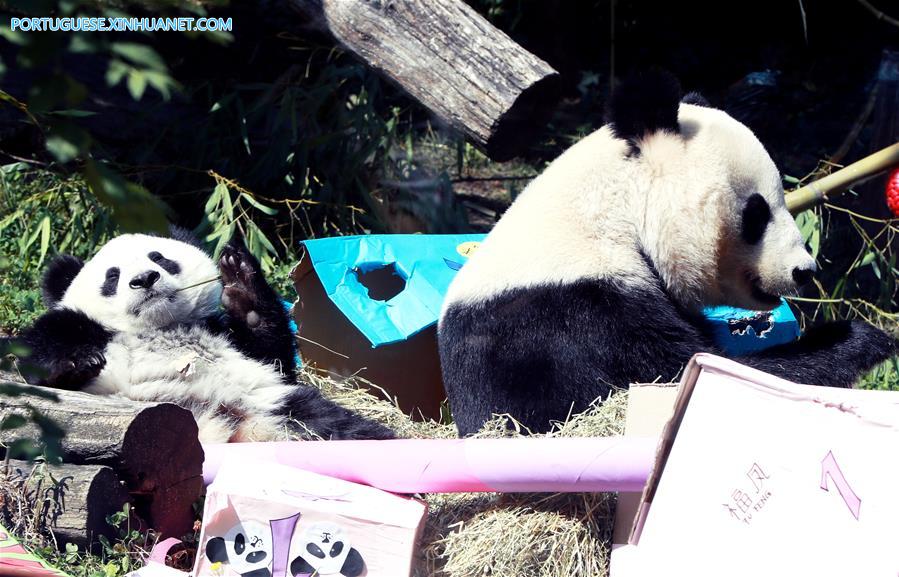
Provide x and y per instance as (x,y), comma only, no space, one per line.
(75,502)
(153,447)
(451,60)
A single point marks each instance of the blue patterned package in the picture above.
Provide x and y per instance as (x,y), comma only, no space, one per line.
(741,331)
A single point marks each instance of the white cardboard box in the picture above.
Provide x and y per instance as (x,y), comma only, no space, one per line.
(759,476)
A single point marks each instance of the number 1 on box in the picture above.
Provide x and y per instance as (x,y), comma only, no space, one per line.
(830,468)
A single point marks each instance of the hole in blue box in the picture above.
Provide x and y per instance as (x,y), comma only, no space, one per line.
(383,281)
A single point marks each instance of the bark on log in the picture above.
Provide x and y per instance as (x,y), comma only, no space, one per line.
(153,447)
(450,59)
(76,506)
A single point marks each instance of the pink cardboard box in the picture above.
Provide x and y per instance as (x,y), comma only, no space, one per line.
(268,520)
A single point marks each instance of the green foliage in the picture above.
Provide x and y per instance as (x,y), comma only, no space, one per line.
(55,97)
(44,214)
(50,434)
(115,558)
(865,289)
(327,139)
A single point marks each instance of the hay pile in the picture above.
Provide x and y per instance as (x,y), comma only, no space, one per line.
(511,535)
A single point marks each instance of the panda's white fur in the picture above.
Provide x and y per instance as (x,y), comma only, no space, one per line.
(143,320)
(164,352)
(595,277)
(580,218)
(128,253)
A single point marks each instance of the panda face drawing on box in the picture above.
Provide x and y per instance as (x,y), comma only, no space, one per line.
(157,319)
(246,548)
(325,550)
(597,274)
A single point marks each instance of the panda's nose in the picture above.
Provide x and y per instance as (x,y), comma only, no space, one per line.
(144,280)
(803,276)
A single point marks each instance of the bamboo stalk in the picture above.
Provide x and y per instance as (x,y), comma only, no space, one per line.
(836,183)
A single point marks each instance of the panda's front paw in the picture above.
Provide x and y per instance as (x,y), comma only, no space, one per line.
(240,277)
(76,371)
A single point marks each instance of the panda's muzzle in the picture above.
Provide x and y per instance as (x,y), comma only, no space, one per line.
(144,280)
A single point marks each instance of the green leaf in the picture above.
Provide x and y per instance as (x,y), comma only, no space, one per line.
(45,238)
(23,449)
(261,238)
(227,206)
(162,82)
(215,199)
(137,83)
(266,209)
(139,54)
(13,421)
(66,141)
(134,208)
(73,113)
(225,235)
(116,71)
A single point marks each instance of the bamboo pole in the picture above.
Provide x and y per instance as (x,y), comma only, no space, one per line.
(836,183)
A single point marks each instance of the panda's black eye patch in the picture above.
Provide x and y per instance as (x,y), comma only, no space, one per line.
(315,550)
(165,264)
(756,215)
(240,542)
(111,284)
(336,549)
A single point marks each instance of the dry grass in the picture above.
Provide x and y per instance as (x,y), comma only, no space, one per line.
(508,535)
(466,534)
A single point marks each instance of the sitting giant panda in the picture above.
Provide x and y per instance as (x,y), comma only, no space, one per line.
(139,320)
(597,274)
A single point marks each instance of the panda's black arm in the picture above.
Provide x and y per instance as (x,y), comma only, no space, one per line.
(834,354)
(66,346)
(255,318)
(310,412)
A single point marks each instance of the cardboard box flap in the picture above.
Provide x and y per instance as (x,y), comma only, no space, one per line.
(426,264)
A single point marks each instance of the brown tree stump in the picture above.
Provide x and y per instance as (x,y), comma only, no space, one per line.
(152,447)
(450,59)
(72,501)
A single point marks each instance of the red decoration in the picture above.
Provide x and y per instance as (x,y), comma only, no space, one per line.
(892,192)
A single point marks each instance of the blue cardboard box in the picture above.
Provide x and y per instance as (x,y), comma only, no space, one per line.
(368,306)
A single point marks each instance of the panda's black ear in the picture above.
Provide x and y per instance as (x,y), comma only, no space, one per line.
(184,235)
(696,99)
(60,273)
(645,102)
(216,551)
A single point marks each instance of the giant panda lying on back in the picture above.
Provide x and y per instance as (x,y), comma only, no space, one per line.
(597,274)
(138,321)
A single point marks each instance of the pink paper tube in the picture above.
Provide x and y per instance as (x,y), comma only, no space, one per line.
(460,465)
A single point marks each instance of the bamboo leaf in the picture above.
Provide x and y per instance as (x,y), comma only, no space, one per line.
(215,199)
(45,238)
(137,84)
(266,209)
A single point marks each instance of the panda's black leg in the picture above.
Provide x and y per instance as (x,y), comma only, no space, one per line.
(299,566)
(257,321)
(834,354)
(354,565)
(309,412)
(66,347)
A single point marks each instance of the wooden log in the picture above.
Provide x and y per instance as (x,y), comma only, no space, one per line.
(153,447)
(72,501)
(450,59)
